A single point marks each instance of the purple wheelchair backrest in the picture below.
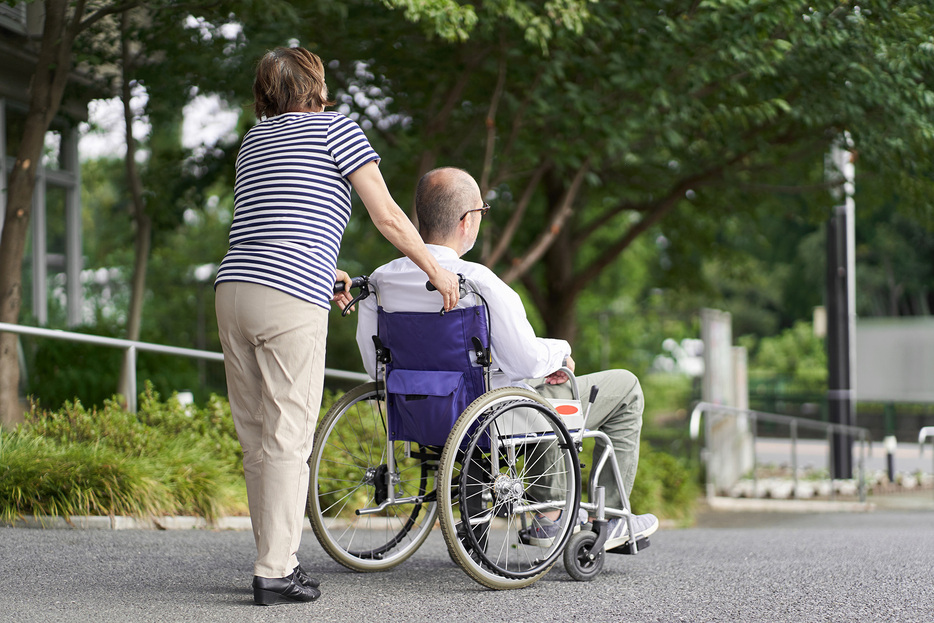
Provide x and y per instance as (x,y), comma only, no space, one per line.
(433,375)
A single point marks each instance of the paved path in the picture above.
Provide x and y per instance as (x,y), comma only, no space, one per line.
(767,567)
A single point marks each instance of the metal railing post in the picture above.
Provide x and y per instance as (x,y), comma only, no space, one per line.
(830,470)
(755,457)
(711,487)
(923,434)
(129,370)
(794,458)
(862,466)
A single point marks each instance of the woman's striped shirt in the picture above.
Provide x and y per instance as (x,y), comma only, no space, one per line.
(292,202)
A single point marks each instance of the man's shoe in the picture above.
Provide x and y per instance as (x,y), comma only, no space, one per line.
(271,591)
(642,525)
(543,531)
(481,531)
(303,578)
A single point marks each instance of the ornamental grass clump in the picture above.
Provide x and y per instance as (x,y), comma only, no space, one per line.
(168,459)
(41,476)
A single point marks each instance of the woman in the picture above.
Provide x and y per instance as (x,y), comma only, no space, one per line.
(292,201)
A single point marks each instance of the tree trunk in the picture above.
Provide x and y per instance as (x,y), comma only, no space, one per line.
(143,237)
(560,291)
(46,89)
(12,246)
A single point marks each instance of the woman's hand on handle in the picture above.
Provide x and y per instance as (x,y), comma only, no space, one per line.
(448,284)
(343,297)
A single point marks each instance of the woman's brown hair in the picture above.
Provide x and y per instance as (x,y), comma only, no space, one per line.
(289,80)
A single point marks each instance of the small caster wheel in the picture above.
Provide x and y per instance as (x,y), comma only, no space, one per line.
(581,562)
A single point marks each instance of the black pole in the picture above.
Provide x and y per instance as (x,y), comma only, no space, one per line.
(839,392)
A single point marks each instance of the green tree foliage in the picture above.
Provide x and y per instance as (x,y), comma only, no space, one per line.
(62,23)
(643,159)
(649,110)
(894,253)
(795,356)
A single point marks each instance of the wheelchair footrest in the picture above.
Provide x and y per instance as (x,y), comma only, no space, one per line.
(641,544)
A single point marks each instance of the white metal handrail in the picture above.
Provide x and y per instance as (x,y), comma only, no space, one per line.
(923,434)
(131,347)
(794,423)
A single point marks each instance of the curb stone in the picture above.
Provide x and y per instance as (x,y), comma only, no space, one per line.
(95,522)
(721,503)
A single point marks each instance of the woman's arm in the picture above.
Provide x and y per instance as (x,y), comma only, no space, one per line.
(392,222)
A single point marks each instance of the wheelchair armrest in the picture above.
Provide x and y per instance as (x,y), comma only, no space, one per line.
(575,390)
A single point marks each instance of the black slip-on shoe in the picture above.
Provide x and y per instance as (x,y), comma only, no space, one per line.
(271,591)
(303,578)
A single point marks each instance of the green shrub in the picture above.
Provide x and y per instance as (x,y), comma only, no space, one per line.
(210,428)
(665,485)
(175,459)
(170,458)
(201,484)
(110,426)
(148,432)
(40,476)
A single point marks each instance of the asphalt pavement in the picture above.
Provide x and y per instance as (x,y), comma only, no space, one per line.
(774,567)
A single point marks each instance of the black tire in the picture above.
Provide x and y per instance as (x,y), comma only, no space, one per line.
(493,467)
(349,473)
(580,561)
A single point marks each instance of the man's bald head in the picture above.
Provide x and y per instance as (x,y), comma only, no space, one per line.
(441,199)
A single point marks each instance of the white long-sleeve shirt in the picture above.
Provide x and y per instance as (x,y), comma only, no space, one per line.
(517,353)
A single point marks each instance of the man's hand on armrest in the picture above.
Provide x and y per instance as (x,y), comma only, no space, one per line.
(558,377)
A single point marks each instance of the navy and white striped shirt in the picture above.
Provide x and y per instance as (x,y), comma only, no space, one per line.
(292,202)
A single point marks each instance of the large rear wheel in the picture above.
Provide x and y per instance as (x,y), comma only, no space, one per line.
(350,477)
(510,463)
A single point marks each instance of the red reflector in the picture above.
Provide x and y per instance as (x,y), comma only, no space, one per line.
(566,409)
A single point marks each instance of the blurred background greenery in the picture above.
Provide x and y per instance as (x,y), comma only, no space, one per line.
(644,160)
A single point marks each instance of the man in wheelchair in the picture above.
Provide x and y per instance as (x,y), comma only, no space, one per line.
(450,208)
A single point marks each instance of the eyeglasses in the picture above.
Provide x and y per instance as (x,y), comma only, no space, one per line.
(482,211)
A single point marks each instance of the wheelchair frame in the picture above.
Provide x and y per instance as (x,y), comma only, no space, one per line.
(379,515)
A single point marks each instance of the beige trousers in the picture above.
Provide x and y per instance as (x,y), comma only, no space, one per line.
(274,358)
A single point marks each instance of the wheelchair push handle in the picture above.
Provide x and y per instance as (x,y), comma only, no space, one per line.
(362,282)
(460,279)
(356,282)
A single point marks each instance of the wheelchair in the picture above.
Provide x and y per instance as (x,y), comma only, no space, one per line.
(428,442)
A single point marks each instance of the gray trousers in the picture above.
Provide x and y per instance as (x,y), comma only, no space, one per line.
(617,412)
